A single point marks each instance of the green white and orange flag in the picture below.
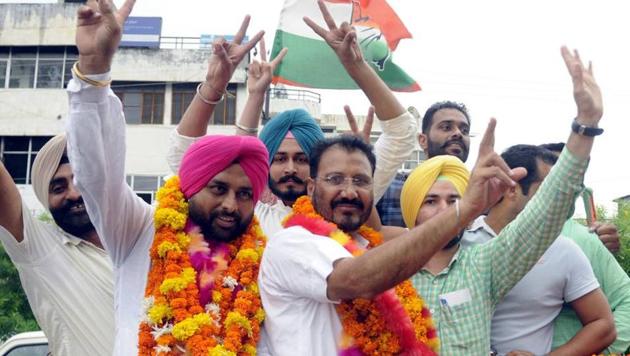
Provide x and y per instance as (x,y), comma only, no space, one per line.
(312,63)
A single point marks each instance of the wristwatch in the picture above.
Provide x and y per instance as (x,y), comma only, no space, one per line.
(585,130)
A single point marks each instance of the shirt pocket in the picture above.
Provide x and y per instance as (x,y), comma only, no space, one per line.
(463,328)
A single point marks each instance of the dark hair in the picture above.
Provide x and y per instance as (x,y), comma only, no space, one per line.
(64,160)
(554,147)
(527,156)
(349,143)
(427,119)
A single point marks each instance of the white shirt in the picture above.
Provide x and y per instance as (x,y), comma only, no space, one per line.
(392,148)
(523,320)
(300,319)
(96,148)
(69,284)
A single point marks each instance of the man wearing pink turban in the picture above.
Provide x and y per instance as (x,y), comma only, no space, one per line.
(220,180)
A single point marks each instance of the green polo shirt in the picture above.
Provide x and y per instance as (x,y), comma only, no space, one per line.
(613,281)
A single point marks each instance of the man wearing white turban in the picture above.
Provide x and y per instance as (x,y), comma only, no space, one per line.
(66,274)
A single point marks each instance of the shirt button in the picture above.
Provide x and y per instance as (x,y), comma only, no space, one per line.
(431,310)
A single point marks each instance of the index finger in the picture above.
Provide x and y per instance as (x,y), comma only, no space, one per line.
(351,120)
(274,63)
(315,27)
(253,41)
(263,50)
(369,121)
(238,38)
(487,142)
(125,10)
(330,21)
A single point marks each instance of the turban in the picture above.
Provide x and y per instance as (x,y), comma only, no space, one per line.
(210,155)
(45,166)
(300,123)
(422,178)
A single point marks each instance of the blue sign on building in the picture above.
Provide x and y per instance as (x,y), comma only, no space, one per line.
(205,41)
(142,32)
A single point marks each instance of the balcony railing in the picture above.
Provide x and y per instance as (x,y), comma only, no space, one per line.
(294,94)
(171,42)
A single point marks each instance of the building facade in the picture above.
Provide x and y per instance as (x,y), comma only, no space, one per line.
(155,86)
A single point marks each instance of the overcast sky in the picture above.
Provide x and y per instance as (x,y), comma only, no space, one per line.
(501,58)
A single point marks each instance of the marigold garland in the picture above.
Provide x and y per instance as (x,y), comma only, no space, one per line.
(175,322)
(396,321)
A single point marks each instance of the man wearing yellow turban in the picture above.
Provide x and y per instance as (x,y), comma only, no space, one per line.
(463,286)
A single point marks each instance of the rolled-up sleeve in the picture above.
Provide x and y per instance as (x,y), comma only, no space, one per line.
(396,143)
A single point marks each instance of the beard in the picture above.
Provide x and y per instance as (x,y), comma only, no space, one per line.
(74,223)
(435,149)
(346,222)
(211,230)
(291,194)
(454,241)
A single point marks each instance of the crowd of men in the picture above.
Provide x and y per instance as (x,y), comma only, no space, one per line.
(272,244)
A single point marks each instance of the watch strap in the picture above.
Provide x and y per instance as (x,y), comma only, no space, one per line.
(585,130)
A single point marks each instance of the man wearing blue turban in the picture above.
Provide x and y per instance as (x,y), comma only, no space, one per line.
(290,135)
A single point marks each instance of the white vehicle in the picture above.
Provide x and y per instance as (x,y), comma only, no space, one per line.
(32,343)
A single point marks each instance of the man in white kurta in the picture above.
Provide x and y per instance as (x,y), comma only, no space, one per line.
(68,279)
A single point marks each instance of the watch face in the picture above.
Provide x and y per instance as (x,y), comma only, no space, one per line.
(585,130)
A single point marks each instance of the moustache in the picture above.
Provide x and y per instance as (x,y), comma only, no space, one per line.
(69,204)
(356,202)
(216,214)
(459,142)
(292,178)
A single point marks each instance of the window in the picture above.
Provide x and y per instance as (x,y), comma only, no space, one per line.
(145,186)
(36,67)
(183,94)
(143,103)
(23,64)
(29,350)
(18,154)
(225,111)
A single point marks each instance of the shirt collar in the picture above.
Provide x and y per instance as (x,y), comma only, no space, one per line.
(480,224)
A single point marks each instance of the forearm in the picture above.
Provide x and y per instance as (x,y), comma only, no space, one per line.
(386,266)
(195,120)
(251,113)
(591,339)
(385,104)
(11,213)
(521,244)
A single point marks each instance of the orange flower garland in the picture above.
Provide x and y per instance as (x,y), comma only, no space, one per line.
(175,323)
(364,326)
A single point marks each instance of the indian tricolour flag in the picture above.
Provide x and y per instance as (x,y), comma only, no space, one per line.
(312,63)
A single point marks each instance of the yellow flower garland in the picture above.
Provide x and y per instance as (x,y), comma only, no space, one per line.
(175,322)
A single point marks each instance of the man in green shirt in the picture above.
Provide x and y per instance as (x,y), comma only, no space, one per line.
(462,287)
(597,243)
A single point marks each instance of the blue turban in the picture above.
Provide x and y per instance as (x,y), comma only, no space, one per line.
(301,124)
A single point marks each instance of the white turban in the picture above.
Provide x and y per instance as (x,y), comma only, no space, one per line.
(46,165)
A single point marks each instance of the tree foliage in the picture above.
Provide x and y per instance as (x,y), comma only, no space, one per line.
(15,312)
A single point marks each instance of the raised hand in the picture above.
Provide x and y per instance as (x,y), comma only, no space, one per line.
(259,74)
(343,39)
(227,55)
(99,30)
(586,93)
(367,127)
(489,179)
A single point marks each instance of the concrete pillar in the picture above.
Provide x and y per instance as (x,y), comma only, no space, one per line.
(168,104)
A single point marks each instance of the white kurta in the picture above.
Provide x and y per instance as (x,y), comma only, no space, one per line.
(69,284)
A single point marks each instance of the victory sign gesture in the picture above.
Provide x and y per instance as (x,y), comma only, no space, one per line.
(260,74)
(586,92)
(489,179)
(227,55)
(342,39)
(99,30)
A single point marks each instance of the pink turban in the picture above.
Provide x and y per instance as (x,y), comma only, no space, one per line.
(210,155)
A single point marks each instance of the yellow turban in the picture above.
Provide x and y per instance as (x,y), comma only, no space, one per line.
(45,166)
(422,178)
